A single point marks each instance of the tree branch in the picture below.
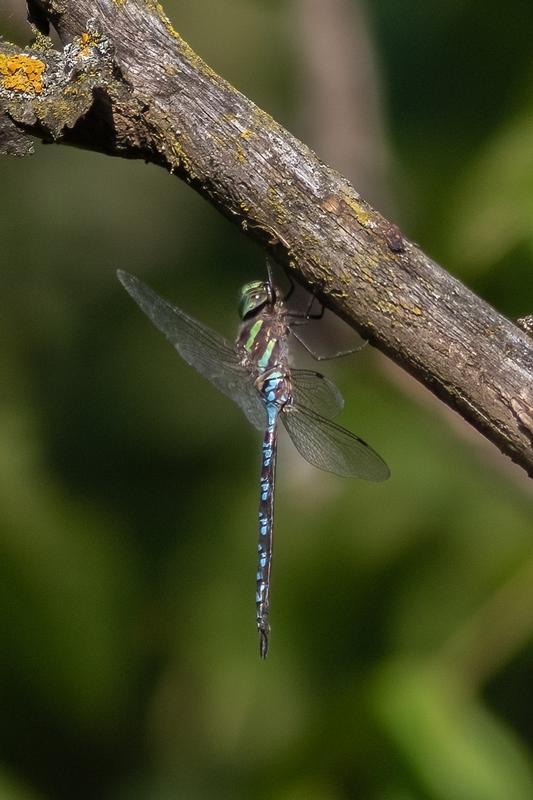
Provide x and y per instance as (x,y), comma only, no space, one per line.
(126,84)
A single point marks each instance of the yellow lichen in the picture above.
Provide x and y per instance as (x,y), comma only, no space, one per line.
(367,274)
(240,155)
(275,200)
(247,134)
(20,73)
(188,52)
(262,120)
(217,140)
(399,308)
(388,308)
(181,159)
(347,206)
(360,213)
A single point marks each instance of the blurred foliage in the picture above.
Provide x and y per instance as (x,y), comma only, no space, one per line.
(401,661)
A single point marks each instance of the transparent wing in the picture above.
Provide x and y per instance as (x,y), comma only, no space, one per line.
(208,352)
(313,390)
(332,448)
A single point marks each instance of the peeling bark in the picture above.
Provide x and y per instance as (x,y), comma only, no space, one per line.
(126,84)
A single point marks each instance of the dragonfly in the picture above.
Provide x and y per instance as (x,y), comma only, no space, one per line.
(255,371)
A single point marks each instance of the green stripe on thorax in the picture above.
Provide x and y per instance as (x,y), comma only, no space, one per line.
(256,327)
(265,358)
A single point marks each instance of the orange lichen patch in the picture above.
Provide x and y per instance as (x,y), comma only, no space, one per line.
(86,42)
(20,73)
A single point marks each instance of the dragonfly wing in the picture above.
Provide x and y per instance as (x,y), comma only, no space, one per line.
(332,448)
(205,350)
(313,390)
(252,405)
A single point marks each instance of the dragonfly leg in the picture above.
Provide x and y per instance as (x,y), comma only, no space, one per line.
(285,294)
(317,315)
(328,356)
(278,290)
(301,319)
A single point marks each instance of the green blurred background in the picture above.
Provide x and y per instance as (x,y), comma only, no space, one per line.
(401,665)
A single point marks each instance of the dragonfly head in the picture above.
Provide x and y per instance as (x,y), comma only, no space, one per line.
(254,296)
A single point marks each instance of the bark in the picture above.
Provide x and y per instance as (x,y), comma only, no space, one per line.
(125,83)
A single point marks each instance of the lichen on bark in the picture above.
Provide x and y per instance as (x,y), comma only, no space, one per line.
(126,84)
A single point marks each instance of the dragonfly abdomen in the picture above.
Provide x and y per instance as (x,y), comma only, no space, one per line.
(266,523)
(274,390)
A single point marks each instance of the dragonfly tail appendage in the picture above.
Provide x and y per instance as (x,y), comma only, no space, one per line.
(266,522)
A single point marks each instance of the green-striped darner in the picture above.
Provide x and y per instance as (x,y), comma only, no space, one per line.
(256,373)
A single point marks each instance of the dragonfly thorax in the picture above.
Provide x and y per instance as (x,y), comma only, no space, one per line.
(253,297)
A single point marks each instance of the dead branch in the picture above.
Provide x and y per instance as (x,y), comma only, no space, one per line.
(126,84)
